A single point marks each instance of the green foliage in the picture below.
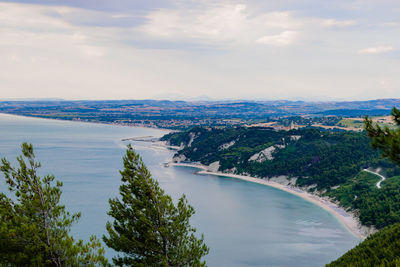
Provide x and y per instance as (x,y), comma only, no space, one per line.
(148,228)
(321,158)
(207,144)
(386,139)
(378,207)
(34,227)
(318,157)
(380,249)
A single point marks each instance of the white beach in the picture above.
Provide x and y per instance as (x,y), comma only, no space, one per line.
(349,220)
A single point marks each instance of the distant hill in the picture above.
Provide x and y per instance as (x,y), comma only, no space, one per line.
(187,114)
(176,109)
(355,112)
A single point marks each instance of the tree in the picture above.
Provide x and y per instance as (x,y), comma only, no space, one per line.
(382,248)
(34,227)
(148,228)
(386,139)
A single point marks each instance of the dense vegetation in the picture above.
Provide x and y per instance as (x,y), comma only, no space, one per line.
(383,248)
(378,207)
(148,229)
(330,162)
(380,249)
(318,157)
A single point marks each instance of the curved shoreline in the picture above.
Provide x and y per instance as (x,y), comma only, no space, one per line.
(90,122)
(349,220)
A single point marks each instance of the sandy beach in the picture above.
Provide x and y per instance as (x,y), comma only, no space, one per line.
(346,218)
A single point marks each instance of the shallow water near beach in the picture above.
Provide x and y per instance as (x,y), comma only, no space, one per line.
(244,224)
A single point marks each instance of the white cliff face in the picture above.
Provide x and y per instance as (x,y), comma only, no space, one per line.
(265,154)
(226,145)
(284,180)
(192,137)
(213,167)
(295,137)
(179,158)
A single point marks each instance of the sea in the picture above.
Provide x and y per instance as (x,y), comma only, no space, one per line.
(244,224)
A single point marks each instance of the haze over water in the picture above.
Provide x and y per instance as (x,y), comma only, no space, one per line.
(244,224)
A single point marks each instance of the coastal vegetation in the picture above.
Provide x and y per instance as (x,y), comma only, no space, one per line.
(384,138)
(148,228)
(382,248)
(330,163)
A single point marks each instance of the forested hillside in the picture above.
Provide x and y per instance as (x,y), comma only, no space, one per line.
(380,249)
(330,162)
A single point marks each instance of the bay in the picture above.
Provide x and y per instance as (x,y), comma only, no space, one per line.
(244,224)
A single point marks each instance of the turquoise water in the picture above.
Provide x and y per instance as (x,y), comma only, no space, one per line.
(244,224)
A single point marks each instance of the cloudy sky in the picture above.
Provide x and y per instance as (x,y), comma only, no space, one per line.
(254,49)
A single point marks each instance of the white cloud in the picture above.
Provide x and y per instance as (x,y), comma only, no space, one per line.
(30,27)
(376,50)
(337,23)
(283,39)
(216,22)
(239,23)
(390,24)
(50,51)
(92,51)
(227,22)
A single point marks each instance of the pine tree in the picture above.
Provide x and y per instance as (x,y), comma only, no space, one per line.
(148,228)
(383,247)
(386,139)
(34,227)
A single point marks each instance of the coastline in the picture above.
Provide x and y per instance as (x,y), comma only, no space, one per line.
(94,122)
(349,220)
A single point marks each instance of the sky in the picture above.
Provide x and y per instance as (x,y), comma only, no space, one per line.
(192,49)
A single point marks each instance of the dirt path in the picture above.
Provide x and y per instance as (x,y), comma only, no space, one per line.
(378,184)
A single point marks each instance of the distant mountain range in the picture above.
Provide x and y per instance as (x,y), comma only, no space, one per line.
(178,113)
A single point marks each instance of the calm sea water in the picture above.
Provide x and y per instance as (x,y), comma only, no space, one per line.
(244,224)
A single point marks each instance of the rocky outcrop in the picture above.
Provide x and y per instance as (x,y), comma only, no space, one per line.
(178,158)
(192,137)
(265,154)
(213,167)
(226,145)
(283,180)
(295,137)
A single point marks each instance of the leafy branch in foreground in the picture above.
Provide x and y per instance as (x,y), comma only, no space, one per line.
(383,247)
(148,228)
(34,227)
(385,139)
